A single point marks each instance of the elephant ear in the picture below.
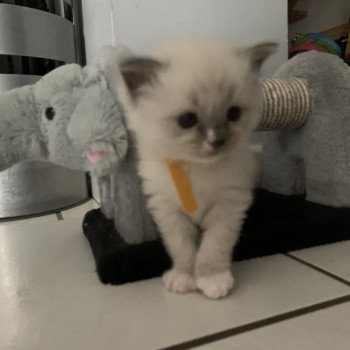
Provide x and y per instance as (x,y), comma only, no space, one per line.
(20,130)
(62,79)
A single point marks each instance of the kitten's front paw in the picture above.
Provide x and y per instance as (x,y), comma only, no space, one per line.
(178,282)
(216,286)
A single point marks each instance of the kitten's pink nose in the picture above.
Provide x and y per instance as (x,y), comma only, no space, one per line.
(217,143)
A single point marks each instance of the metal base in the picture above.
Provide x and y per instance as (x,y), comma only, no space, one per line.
(33,188)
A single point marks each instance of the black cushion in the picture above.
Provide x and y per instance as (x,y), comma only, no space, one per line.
(274,224)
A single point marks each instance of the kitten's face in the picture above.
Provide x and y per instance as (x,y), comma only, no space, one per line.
(200,101)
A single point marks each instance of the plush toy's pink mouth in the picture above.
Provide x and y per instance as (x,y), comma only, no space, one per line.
(95,157)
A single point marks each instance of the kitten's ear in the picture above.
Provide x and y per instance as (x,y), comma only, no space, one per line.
(258,53)
(139,71)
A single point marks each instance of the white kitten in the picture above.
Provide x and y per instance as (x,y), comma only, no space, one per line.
(197,102)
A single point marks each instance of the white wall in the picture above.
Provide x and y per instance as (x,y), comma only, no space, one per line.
(98,26)
(322,15)
(141,24)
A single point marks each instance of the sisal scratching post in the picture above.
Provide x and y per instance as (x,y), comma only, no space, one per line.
(286,104)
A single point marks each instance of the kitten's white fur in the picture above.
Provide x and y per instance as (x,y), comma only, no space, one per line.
(205,78)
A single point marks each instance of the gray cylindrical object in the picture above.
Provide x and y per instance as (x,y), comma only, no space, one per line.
(286,103)
(35,36)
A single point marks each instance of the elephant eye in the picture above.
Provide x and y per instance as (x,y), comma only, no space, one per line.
(50,113)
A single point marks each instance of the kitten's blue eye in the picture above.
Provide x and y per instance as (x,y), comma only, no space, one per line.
(233,113)
(188,120)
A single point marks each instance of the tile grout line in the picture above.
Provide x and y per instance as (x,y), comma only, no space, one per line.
(257,324)
(318,269)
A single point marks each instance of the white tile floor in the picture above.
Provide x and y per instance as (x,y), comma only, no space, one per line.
(80,210)
(50,298)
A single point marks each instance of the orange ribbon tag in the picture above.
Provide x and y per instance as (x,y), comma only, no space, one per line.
(183,186)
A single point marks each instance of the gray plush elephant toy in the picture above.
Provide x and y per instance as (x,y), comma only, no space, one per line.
(70,117)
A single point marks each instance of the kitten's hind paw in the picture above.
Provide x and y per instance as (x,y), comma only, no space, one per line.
(216,286)
(178,282)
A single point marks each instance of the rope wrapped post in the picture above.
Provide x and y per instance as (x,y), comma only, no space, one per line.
(286,103)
